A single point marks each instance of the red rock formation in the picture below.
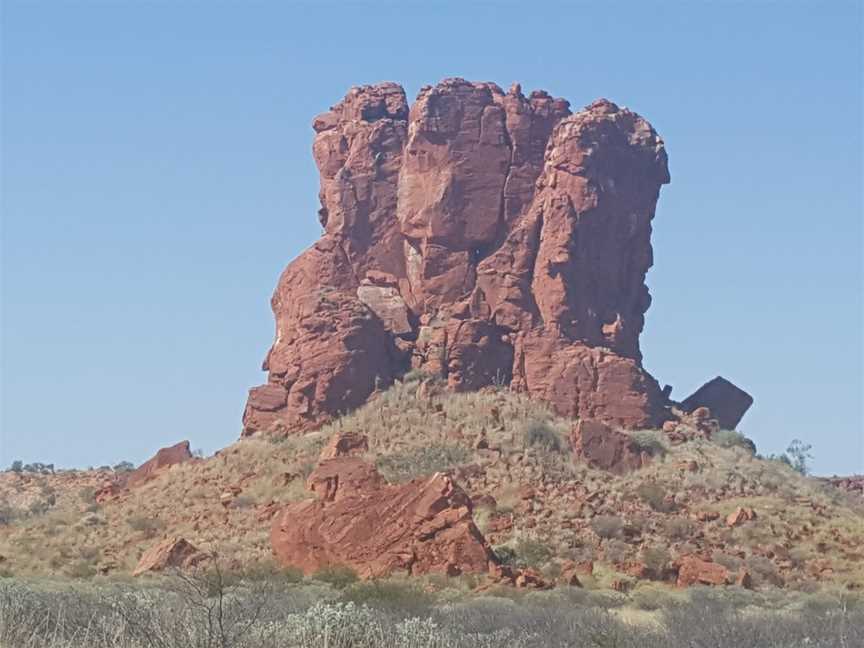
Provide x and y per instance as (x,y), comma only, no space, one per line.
(695,571)
(726,402)
(376,528)
(739,516)
(600,446)
(345,445)
(484,236)
(162,460)
(172,552)
(108,491)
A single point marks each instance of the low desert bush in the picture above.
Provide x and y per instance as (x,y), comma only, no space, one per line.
(147,525)
(607,526)
(763,571)
(404,596)
(506,554)
(8,514)
(181,613)
(538,434)
(81,569)
(654,495)
(417,376)
(656,559)
(678,528)
(338,576)
(732,439)
(531,552)
(616,551)
(422,461)
(650,441)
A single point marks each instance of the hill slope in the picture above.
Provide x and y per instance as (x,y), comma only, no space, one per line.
(537,503)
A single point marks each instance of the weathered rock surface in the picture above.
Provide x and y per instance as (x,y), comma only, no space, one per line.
(376,528)
(726,402)
(174,552)
(345,444)
(695,571)
(739,516)
(600,446)
(484,237)
(162,460)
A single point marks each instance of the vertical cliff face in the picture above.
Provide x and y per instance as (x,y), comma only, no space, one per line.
(482,236)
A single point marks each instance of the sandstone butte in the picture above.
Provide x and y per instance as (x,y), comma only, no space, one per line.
(483,237)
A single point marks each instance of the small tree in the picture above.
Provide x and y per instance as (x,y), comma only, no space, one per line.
(799,456)
(17,466)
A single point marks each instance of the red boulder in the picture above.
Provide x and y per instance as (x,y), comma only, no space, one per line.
(375,528)
(163,459)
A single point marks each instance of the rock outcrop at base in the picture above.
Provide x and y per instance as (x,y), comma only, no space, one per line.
(360,521)
(483,236)
(163,459)
(726,402)
(171,553)
(601,447)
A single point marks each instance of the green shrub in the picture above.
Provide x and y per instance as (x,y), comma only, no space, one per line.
(656,559)
(763,571)
(654,495)
(651,597)
(678,528)
(525,552)
(616,551)
(532,553)
(649,441)
(81,569)
(339,576)
(7,514)
(538,434)
(87,494)
(269,571)
(506,554)
(417,376)
(607,526)
(146,525)
(799,456)
(408,597)
(732,439)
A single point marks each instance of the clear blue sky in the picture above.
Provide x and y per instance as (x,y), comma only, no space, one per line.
(157,177)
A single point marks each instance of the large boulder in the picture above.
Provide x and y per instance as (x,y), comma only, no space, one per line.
(171,553)
(693,570)
(482,236)
(726,402)
(161,461)
(601,447)
(360,521)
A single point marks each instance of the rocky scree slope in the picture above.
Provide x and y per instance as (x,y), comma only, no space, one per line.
(539,489)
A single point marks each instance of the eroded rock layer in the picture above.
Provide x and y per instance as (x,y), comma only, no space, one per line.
(359,521)
(482,236)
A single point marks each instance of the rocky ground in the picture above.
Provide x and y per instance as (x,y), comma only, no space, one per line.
(674,507)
